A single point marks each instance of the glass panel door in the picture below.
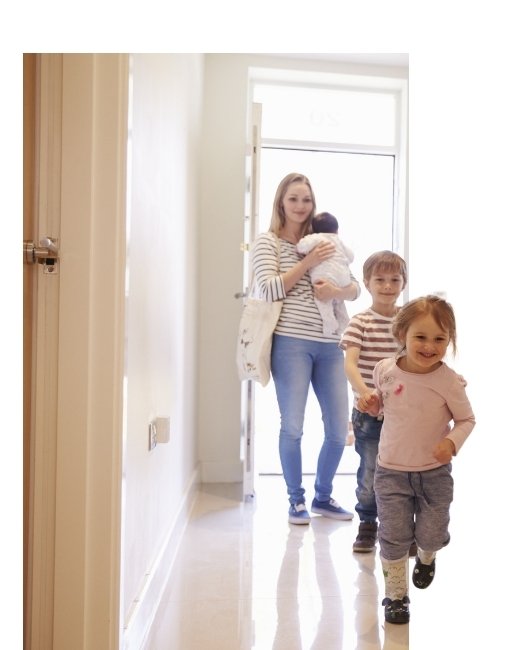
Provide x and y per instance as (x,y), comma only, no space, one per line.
(359,190)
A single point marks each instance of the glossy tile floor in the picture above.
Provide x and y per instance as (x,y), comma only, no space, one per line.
(244,579)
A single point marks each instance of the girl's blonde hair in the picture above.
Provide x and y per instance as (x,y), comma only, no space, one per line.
(278,213)
(431,305)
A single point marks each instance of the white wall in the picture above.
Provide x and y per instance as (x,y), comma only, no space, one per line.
(221,232)
(161,344)
(470,136)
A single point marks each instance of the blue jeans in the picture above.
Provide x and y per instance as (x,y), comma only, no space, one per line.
(295,364)
(367,430)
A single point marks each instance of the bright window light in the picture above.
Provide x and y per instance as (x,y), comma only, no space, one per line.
(327,115)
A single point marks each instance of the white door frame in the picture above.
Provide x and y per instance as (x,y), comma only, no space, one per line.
(248,387)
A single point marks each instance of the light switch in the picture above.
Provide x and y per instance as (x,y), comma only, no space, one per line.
(162,429)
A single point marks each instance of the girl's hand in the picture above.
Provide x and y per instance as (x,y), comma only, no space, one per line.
(444,451)
(369,403)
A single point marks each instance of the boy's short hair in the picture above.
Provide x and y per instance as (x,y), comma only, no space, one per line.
(385,262)
(325,222)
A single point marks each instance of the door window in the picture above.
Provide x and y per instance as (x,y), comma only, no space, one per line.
(348,142)
(359,190)
(342,115)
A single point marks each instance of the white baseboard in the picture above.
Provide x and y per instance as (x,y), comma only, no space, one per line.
(141,616)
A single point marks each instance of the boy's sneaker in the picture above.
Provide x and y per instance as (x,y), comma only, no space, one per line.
(330,509)
(366,537)
(397,611)
(298,514)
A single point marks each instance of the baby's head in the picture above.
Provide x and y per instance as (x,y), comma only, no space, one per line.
(384,262)
(325,222)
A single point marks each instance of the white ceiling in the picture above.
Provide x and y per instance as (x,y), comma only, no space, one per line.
(400,59)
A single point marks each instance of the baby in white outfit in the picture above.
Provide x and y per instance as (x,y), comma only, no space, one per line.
(336,270)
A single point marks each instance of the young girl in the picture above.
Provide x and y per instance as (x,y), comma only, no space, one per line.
(419,396)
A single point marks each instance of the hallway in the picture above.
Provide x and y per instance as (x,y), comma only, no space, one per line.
(244,578)
(241,570)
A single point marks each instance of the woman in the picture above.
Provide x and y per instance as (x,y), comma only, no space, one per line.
(301,353)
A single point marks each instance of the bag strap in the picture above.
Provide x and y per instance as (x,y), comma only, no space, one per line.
(254,292)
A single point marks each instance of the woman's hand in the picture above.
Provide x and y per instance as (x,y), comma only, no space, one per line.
(320,253)
(328,291)
(325,290)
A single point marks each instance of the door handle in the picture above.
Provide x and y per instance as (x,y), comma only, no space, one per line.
(47,253)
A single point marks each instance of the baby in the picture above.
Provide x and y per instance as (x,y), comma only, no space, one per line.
(335,270)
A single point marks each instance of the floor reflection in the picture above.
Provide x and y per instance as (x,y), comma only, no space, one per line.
(244,579)
(366,603)
(287,606)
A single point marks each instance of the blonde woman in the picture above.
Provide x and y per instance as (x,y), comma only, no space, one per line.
(302,355)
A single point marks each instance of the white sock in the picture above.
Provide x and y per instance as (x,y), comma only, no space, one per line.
(396,577)
(425,556)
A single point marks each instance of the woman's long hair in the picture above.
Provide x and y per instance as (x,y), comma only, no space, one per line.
(278,213)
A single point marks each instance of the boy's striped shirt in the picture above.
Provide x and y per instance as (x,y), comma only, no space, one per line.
(372,334)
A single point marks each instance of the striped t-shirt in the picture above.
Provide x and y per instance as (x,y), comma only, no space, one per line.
(299,317)
(372,334)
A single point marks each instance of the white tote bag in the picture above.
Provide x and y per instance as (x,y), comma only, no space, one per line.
(254,340)
(254,343)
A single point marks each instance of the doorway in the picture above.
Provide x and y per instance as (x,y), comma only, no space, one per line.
(348,134)
(359,190)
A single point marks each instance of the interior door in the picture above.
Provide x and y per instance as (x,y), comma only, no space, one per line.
(42,164)
(74,349)
(251,230)
(29,85)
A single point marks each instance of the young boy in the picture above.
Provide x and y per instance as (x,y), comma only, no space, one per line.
(366,340)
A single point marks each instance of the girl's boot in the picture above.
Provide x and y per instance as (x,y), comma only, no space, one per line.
(396,601)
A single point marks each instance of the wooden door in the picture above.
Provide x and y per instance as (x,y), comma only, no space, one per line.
(42,188)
